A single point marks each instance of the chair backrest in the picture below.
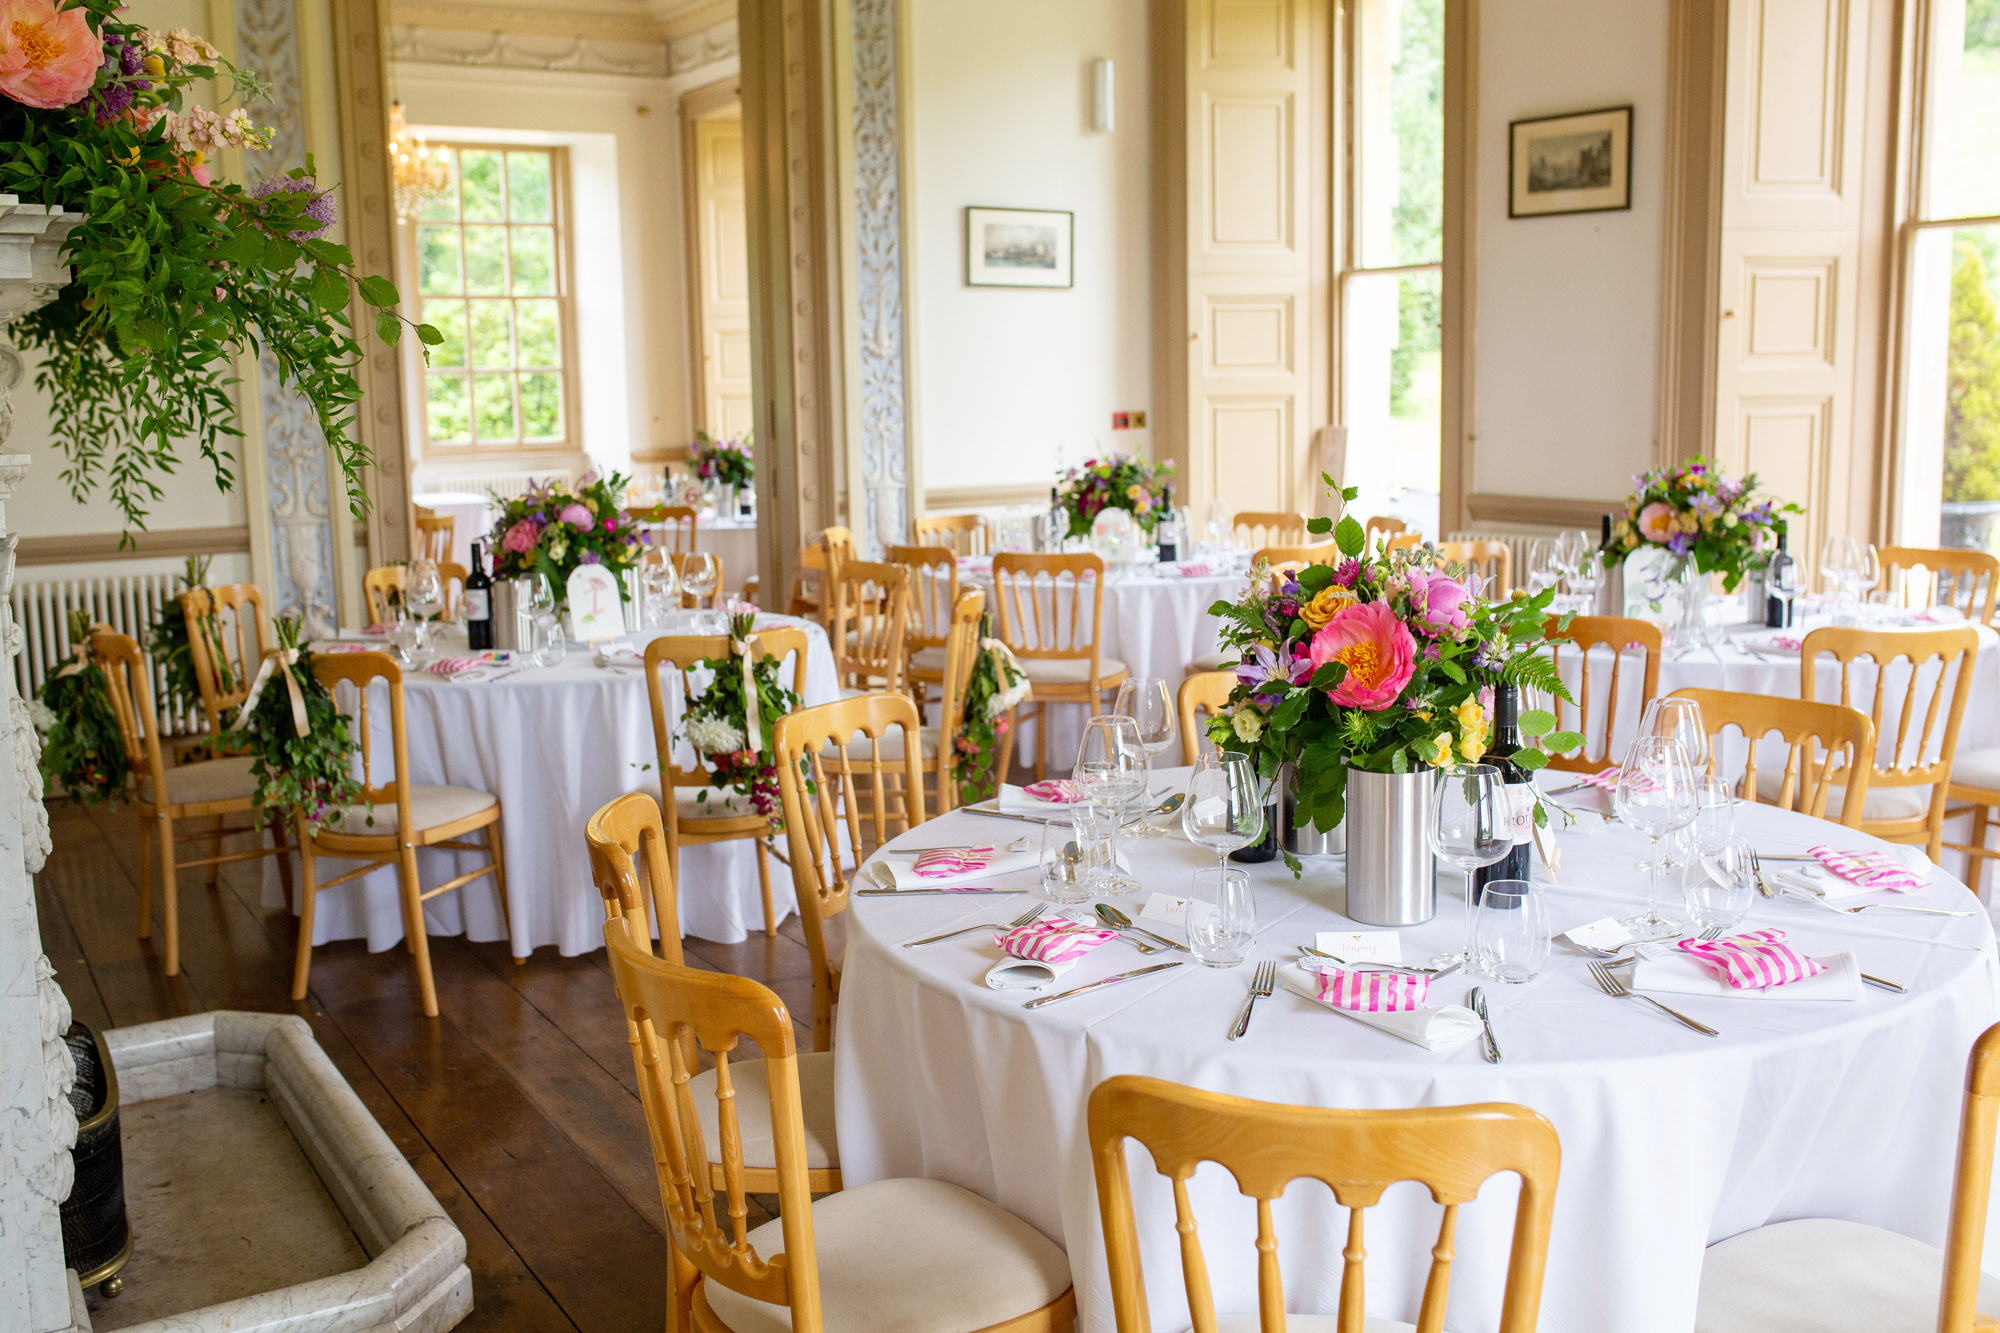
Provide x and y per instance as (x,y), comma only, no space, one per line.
(1254,527)
(1492,560)
(1451,1150)
(871,606)
(715,595)
(1384,527)
(1908,753)
(962,534)
(622,836)
(435,534)
(131,692)
(836,544)
(668,1010)
(671,528)
(933,592)
(1967,580)
(1618,634)
(827,791)
(227,635)
(961,655)
(808,582)
(377,585)
(1050,606)
(361,670)
(1827,745)
(1402,541)
(452,575)
(1282,557)
(684,650)
(1958,1309)
(1201,695)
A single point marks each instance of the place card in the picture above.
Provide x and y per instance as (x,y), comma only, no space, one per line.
(1604,934)
(1167,910)
(1361,946)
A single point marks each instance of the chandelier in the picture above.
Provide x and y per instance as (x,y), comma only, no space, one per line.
(421,172)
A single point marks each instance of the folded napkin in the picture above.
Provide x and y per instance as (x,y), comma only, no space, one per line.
(1039,953)
(912,870)
(345,646)
(1606,781)
(1668,971)
(1775,643)
(1193,569)
(1939,615)
(378,629)
(1901,870)
(618,654)
(1372,992)
(1440,1029)
(947,862)
(452,666)
(1041,799)
(1753,960)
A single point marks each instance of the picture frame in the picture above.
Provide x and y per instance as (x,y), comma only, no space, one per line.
(1019,247)
(1575,163)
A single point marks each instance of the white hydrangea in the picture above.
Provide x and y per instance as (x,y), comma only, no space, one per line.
(41,715)
(714,735)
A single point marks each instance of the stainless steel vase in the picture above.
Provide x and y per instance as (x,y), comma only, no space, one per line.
(506,605)
(1391,875)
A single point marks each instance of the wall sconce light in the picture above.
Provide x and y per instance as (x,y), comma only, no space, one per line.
(1102,105)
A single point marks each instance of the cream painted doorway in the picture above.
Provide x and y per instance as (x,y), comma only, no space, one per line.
(718,260)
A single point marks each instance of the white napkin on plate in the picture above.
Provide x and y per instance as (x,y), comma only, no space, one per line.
(898,870)
(1441,1029)
(1015,801)
(1677,974)
(1012,973)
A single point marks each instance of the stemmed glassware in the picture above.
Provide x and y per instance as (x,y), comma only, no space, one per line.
(1469,827)
(699,575)
(659,587)
(1840,565)
(1584,578)
(1111,773)
(423,595)
(1217,515)
(1656,796)
(1225,804)
(1544,564)
(1150,704)
(541,601)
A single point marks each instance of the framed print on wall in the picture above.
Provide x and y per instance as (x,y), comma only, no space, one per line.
(1018,247)
(1579,163)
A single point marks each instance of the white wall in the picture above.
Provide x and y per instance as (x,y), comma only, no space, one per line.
(1012,383)
(1568,308)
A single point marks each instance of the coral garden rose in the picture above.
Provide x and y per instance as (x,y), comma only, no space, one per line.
(1657,522)
(576,515)
(1376,648)
(47,59)
(1440,601)
(1325,604)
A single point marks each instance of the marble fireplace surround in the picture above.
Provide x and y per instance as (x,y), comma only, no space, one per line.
(415,1281)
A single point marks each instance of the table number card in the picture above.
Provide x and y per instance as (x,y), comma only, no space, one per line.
(595,610)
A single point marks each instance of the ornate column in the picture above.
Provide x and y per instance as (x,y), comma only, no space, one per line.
(884,508)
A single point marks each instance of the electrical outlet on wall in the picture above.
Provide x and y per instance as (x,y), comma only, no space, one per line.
(1138,421)
(1121,421)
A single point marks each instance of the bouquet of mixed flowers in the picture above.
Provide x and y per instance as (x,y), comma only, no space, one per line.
(82,747)
(737,750)
(1379,661)
(1702,517)
(727,461)
(550,529)
(997,686)
(1118,482)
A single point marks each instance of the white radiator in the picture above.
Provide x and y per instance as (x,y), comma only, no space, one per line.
(128,604)
(1517,542)
(505,485)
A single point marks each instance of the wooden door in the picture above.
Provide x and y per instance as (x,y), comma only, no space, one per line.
(722,278)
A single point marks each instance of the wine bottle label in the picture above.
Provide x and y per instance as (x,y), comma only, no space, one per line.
(1521,811)
(476,605)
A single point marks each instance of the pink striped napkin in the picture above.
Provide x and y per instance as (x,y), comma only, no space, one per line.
(451,666)
(944,862)
(1194,569)
(1876,870)
(1054,942)
(1373,992)
(1607,781)
(1754,960)
(1056,791)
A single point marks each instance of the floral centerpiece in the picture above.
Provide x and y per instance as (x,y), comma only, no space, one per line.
(176,273)
(727,461)
(1707,520)
(736,747)
(552,528)
(1121,481)
(997,686)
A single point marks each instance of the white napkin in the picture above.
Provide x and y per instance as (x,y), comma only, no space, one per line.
(1012,973)
(1677,974)
(618,655)
(1834,888)
(898,870)
(1441,1029)
(1015,801)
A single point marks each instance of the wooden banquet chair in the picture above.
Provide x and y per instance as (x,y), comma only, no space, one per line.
(1255,527)
(961,534)
(933,592)
(1826,745)
(1384,527)
(834,770)
(694,818)
(1294,557)
(1203,694)
(807,596)
(1907,790)
(435,534)
(937,752)
(207,789)
(1831,1275)
(1618,634)
(671,527)
(871,607)
(393,820)
(377,587)
(1492,560)
(1051,613)
(227,635)
(1265,1146)
(836,547)
(1402,541)
(1966,580)
(891,1254)
(624,835)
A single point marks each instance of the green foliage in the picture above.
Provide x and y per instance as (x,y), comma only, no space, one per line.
(82,748)
(309,776)
(1982,25)
(167,645)
(976,767)
(750,773)
(1972,374)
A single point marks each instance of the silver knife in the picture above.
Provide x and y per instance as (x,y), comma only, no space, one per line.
(1002,814)
(1885,984)
(905,893)
(1488,1047)
(1093,985)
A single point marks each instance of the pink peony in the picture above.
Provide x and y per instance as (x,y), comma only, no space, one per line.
(1376,648)
(575,515)
(47,59)
(1656,522)
(521,538)
(1439,602)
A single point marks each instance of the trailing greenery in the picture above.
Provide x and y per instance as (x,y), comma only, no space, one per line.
(310,775)
(991,693)
(82,749)
(167,645)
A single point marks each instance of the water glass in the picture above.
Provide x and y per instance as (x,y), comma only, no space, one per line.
(1512,928)
(1714,814)
(404,634)
(1149,702)
(1227,932)
(1111,771)
(1094,830)
(1656,797)
(1064,876)
(1719,888)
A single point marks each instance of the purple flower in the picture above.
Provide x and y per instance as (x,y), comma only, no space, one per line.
(318,206)
(1680,543)
(113,101)
(592,558)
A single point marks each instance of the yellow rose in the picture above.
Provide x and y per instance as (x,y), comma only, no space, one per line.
(1470,716)
(1248,723)
(1325,605)
(1436,751)
(1472,745)
(1132,491)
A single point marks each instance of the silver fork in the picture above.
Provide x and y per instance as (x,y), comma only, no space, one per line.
(1620,955)
(1015,924)
(1611,985)
(1757,869)
(1260,986)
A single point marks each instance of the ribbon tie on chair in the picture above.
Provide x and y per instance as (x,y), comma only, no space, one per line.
(281,661)
(744,649)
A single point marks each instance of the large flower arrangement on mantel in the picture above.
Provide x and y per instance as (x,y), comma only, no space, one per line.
(1118,481)
(1701,517)
(176,272)
(1383,661)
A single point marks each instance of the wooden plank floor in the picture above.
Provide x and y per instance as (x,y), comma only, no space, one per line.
(517,1106)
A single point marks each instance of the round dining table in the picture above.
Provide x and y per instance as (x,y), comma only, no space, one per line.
(1671,1140)
(554,744)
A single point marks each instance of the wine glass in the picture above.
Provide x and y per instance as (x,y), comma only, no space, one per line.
(1111,773)
(699,575)
(658,586)
(1679,720)
(1150,704)
(1544,564)
(548,631)
(1718,892)
(1867,568)
(1656,796)
(1470,828)
(1225,804)
(1585,577)
(1513,930)
(1218,516)
(1840,564)
(423,594)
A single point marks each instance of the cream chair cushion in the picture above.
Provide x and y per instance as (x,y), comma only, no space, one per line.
(891,742)
(429,806)
(689,802)
(1977,768)
(209,780)
(1069,670)
(929,659)
(753,1110)
(1880,803)
(1216,661)
(1824,1276)
(909,1256)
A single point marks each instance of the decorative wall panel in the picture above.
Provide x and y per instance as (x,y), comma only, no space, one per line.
(878,230)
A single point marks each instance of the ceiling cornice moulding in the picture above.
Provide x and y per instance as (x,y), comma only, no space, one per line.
(627,22)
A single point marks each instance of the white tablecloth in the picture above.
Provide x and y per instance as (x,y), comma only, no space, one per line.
(1670,1140)
(554,745)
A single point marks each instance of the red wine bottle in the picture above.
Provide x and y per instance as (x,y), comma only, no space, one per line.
(1519,805)
(478,603)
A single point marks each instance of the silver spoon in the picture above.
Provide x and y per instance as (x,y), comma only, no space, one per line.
(1166,807)
(1111,916)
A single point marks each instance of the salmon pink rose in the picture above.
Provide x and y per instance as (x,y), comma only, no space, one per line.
(47,59)
(1656,522)
(1376,648)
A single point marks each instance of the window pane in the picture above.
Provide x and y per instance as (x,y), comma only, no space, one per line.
(449,317)
(437,260)
(447,411)
(443,206)
(1391,367)
(528,187)
(538,333)
(493,399)
(486,261)
(1964,170)
(1951,489)
(534,261)
(479,179)
(1399,132)
(541,406)
(492,336)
